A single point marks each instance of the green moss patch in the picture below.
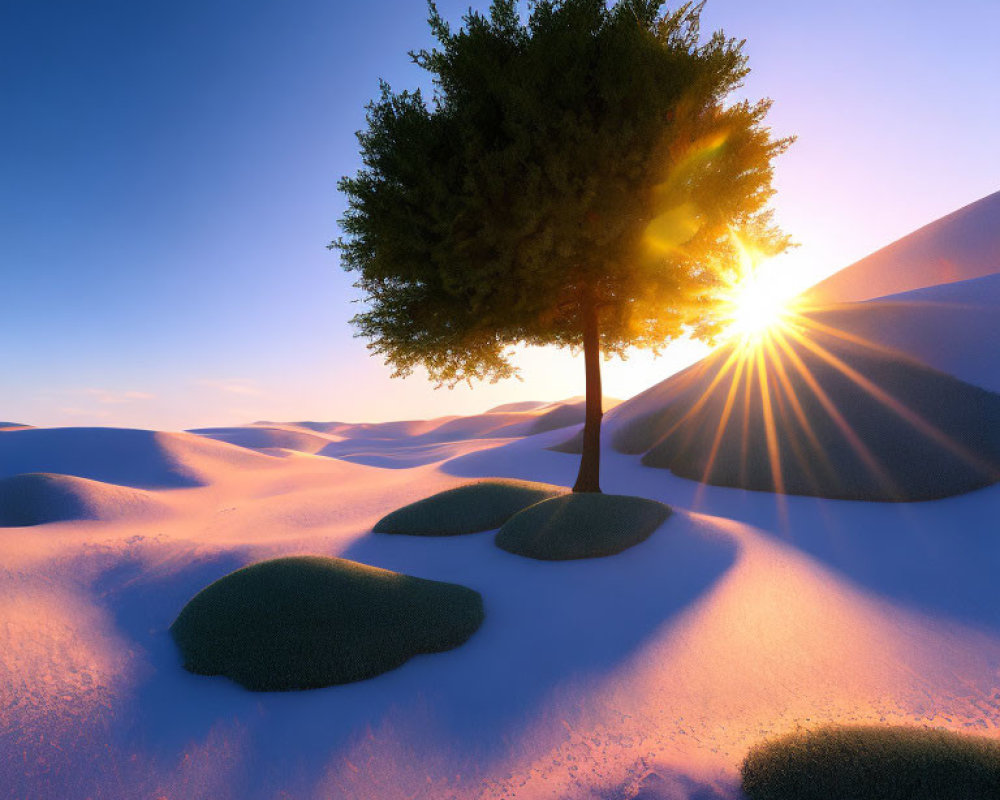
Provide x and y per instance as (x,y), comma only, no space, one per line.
(480,506)
(874,763)
(586,525)
(309,621)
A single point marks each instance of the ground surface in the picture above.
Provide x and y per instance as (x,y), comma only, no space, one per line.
(646,674)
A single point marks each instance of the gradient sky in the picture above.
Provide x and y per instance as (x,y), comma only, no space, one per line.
(168,185)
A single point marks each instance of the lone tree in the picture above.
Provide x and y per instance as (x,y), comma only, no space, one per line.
(578,179)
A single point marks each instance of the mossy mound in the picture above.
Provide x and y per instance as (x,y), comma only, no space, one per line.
(308,621)
(874,763)
(480,506)
(586,525)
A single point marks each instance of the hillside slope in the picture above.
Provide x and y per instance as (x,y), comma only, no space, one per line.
(964,244)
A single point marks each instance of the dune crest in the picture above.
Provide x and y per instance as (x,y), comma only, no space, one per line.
(964,244)
(816,413)
(38,497)
(269,437)
(138,458)
(951,327)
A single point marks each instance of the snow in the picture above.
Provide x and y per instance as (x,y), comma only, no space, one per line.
(962,245)
(741,617)
(138,458)
(647,674)
(950,327)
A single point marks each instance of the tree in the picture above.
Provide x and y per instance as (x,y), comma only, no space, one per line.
(577,179)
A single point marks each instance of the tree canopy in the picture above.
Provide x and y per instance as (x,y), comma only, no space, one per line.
(583,157)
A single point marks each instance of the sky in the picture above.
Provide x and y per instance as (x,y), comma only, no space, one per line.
(168,182)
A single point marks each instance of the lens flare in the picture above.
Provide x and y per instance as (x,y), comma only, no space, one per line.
(758,299)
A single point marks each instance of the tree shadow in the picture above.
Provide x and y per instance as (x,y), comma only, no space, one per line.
(552,629)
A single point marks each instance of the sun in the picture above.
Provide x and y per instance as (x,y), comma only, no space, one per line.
(756,304)
(758,299)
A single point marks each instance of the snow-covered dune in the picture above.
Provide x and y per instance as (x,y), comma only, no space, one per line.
(954,327)
(646,674)
(524,405)
(850,396)
(38,497)
(964,244)
(125,456)
(419,442)
(269,437)
(811,412)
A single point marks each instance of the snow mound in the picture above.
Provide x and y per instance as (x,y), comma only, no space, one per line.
(138,458)
(524,405)
(561,415)
(952,327)
(266,437)
(40,497)
(416,443)
(965,244)
(397,429)
(505,421)
(822,415)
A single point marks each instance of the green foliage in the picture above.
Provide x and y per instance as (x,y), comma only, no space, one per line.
(480,506)
(874,763)
(584,156)
(306,622)
(586,525)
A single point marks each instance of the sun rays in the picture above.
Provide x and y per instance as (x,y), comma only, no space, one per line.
(757,296)
(791,404)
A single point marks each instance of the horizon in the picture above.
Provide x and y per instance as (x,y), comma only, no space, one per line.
(172,187)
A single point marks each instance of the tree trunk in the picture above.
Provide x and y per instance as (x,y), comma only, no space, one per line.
(589,477)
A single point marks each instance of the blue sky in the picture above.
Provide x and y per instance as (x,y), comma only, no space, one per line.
(168,185)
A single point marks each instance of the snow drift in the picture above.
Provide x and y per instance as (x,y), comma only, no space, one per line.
(39,497)
(268,437)
(419,442)
(817,414)
(139,458)
(953,327)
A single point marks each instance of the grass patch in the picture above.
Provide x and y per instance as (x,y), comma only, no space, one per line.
(873,763)
(586,525)
(310,621)
(480,506)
